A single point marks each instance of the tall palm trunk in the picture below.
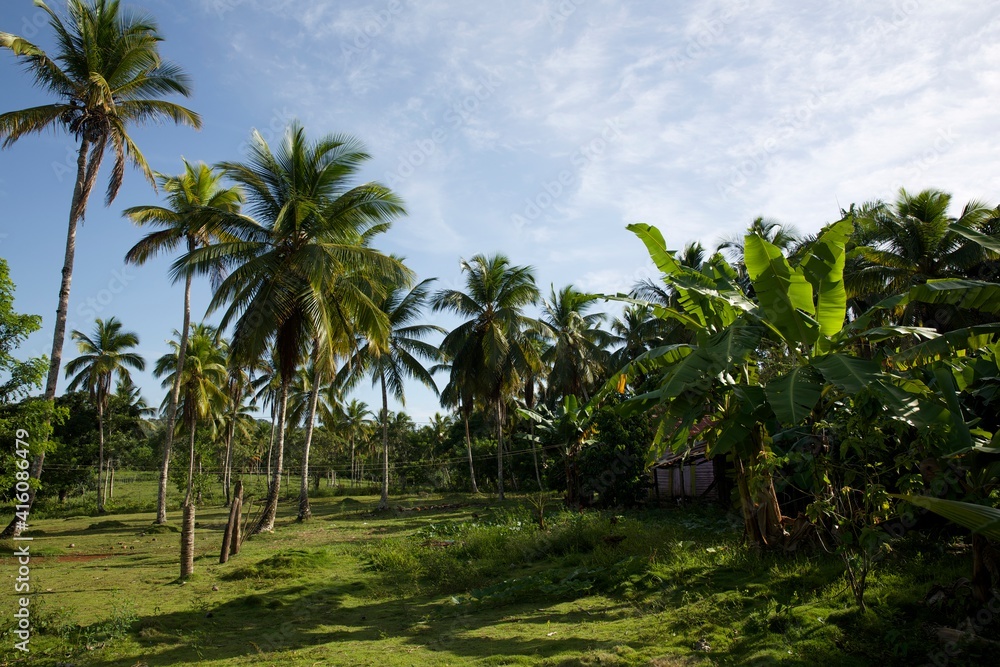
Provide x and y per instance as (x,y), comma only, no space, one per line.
(468,449)
(499,449)
(227,466)
(266,523)
(192,424)
(304,510)
(175,393)
(100,456)
(383,503)
(353,470)
(86,175)
(270,442)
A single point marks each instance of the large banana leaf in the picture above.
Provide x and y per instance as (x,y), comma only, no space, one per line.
(985,240)
(824,269)
(947,345)
(968,294)
(850,374)
(783,292)
(958,435)
(977,518)
(697,371)
(794,395)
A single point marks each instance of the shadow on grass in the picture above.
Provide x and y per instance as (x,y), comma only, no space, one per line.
(302,616)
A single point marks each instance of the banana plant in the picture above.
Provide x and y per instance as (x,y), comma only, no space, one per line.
(570,425)
(797,310)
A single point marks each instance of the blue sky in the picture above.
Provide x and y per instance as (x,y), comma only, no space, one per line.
(539,129)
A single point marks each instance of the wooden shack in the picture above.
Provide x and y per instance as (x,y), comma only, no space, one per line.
(688,474)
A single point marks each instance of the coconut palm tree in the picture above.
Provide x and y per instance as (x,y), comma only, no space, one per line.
(785,237)
(908,242)
(459,394)
(105,354)
(285,288)
(355,421)
(577,354)
(202,380)
(491,350)
(107,76)
(390,363)
(190,197)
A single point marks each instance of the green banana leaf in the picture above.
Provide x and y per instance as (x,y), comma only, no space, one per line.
(794,395)
(977,518)
(823,267)
(783,292)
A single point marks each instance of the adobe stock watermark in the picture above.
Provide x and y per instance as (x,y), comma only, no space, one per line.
(786,126)
(879,27)
(557,12)
(366,34)
(458,114)
(916,166)
(22,582)
(222,7)
(552,190)
(97,303)
(710,33)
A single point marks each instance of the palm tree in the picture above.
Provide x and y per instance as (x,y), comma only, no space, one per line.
(491,350)
(237,418)
(458,394)
(910,242)
(105,354)
(355,420)
(391,362)
(108,76)
(285,288)
(189,196)
(786,237)
(577,356)
(202,380)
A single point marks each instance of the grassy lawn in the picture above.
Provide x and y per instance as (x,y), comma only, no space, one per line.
(462,580)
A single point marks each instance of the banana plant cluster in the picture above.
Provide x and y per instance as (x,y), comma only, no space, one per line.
(792,314)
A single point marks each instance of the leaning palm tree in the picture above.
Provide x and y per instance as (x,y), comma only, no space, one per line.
(107,76)
(390,363)
(491,350)
(284,289)
(107,353)
(190,196)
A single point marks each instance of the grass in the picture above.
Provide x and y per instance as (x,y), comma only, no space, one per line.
(476,584)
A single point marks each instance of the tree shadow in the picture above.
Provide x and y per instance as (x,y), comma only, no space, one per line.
(303,616)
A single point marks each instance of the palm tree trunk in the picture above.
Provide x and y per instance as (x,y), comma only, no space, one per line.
(468,449)
(266,523)
(175,393)
(353,470)
(534,455)
(499,449)
(227,472)
(383,503)
(100,456)
(86,175)
(270,444)
(192,423)
(187,539)
(304,511)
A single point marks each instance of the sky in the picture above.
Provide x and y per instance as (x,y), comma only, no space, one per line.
(536,129)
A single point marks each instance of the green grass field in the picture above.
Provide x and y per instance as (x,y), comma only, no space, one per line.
(459,580)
